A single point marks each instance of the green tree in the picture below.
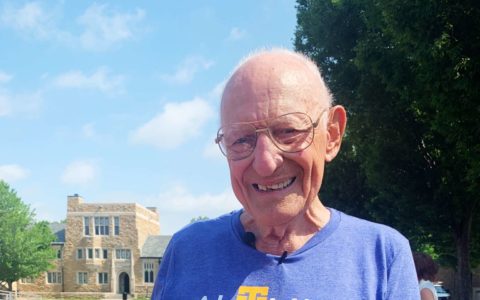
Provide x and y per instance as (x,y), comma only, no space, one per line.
(199,218)
(408,73)
(25,249)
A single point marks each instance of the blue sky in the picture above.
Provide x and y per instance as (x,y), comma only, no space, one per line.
(118,101)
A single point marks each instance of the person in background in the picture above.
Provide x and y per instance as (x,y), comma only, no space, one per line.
(426,271)
(279,127)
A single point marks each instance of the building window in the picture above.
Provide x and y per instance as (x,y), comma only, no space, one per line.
(101,225)
(82,277)
(101,253)
(148,272)
(116,221)
(54,277)
(59,254)
(86,225)
(90,253)
(79,253)
(103,278)
(27,280)
(122,253)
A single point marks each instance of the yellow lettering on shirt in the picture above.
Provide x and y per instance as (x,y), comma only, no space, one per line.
(252,293)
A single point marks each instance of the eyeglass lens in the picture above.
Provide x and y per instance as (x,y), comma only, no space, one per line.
(290,133)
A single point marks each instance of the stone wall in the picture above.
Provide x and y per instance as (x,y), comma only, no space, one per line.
(147,224)
(144,291)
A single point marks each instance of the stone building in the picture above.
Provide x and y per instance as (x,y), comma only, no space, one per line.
(102,249)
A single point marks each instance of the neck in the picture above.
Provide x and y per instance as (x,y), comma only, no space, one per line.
(291,236)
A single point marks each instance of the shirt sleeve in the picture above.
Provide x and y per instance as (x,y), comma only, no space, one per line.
(402,277)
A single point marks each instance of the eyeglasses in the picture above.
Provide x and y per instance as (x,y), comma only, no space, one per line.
(292,132)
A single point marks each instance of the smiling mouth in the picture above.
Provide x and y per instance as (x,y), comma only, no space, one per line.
(274,187)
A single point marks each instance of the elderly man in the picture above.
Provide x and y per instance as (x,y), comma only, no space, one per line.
(278,129)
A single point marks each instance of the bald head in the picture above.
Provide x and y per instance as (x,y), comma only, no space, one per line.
(265,80)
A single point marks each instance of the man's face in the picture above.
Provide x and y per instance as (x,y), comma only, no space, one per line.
(274,186)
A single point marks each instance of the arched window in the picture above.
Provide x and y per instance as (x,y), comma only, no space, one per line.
(151,276)
(148,268)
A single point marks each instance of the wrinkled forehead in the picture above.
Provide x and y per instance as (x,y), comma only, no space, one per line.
(271,85)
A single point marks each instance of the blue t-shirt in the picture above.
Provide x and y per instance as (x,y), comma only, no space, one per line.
(349,258)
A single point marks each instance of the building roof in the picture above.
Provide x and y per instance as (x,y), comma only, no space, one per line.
(155,245)
(59,230)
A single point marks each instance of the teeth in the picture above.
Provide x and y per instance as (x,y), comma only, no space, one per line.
(277,186)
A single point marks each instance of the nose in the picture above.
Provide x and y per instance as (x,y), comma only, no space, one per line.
(266,156)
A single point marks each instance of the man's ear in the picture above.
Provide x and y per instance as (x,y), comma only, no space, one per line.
(337,120)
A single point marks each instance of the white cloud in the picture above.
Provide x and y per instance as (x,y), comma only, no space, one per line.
(25,104)
(179,199)
(80,172)
(177,206)
(11,173)
(30,19)
(175,125)
(5,107)
(101,79)
(187,70)
(104,29)
(89,131)
(4,77)
(100,27)
(236,34)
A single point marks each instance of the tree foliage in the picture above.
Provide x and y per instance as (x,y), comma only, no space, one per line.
(25,249)
(408,73)
(199,218)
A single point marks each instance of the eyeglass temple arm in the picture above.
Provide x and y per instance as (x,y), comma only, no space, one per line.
(218,139)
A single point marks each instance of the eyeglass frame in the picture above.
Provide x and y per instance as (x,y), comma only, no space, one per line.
(266,129)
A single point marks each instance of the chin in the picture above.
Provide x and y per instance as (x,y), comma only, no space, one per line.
(276,216)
